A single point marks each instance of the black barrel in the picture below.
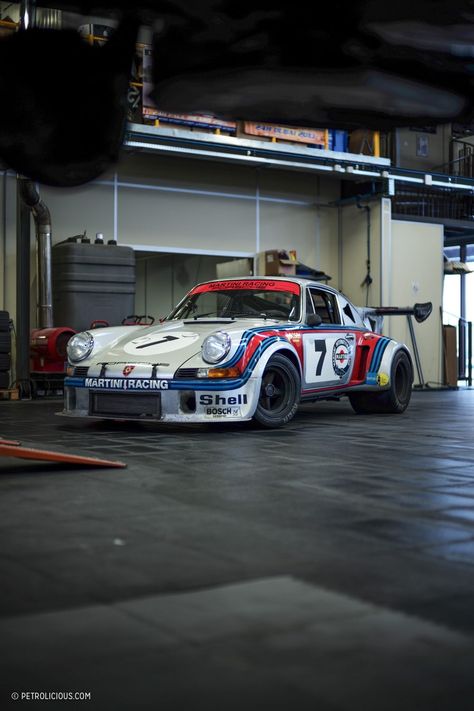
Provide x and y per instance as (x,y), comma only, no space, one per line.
(92,282)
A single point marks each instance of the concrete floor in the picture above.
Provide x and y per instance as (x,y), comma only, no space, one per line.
(327,566)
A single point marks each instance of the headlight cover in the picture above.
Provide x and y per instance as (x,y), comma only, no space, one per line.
(216,346)
(80,346)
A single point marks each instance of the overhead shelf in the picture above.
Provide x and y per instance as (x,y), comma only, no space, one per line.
(208,146)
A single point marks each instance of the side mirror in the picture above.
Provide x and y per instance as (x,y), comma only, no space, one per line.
(313,320)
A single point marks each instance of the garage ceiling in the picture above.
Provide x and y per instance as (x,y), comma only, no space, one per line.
(340,64)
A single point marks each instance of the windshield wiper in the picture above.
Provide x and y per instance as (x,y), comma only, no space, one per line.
(235,314)
(211,313)
(255,314)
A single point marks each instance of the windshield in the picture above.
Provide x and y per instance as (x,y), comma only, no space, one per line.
(242,303)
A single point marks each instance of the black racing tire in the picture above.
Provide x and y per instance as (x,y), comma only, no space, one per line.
(4,321)
(394,400)
(280,393)
(5,342)
(4,381)
(5,362)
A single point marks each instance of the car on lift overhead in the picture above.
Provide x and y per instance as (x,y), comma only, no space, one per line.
(242,349)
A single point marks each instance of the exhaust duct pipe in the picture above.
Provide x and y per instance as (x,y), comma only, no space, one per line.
(42,218)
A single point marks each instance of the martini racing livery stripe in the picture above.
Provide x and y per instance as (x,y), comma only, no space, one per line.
(378,354)
(376,361)
(265,331)
(202,383)
(197,384)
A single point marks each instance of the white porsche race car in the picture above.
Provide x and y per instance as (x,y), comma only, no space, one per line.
(237,349)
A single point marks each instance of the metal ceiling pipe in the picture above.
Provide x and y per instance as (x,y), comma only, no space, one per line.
(42,218)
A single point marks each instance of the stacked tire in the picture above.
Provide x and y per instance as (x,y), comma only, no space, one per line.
(5,350)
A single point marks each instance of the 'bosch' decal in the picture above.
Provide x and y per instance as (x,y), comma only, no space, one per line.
(223,412)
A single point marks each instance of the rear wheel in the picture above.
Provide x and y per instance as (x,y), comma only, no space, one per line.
(394,400)
(279,393)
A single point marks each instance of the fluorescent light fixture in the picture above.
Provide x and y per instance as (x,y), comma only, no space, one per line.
(406,179)
(228,157)
(367,172)
(453,186)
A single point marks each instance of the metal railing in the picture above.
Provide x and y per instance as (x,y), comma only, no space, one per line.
(425,202)
(463,165)
(465,363)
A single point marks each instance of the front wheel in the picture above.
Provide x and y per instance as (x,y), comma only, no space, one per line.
(394,400)
(279,393)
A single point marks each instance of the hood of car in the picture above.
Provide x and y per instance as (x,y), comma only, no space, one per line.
(165,347)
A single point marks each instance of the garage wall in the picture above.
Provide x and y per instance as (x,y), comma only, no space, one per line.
(294,214)
(414,273)
(353,252)
(182,206)
(186,205)
(156,219)
(163,279)
(423,150)
(8,217)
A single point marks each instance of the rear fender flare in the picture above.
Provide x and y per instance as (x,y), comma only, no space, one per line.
(386,365)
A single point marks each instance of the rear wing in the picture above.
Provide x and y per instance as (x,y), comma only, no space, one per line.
(373,316)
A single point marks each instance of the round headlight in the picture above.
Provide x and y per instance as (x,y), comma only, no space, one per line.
(80,346)
(216,346)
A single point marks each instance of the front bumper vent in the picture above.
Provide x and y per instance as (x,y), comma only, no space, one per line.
(186,374)
(81,371)
(126,405)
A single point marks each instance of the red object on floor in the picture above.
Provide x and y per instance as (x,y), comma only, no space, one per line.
(48,349)
(13,442)
(10,450)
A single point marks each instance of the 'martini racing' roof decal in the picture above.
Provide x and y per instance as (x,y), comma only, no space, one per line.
(240,284)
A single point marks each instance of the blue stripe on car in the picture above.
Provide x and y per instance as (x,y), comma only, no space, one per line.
(200,384)
(247,335)
(377,358)
(233,384)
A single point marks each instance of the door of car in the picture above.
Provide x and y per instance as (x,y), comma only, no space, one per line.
(329,349)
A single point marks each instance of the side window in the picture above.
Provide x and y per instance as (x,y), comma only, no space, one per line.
(324,304)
